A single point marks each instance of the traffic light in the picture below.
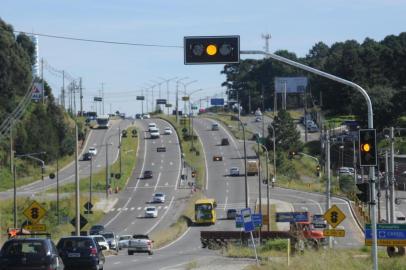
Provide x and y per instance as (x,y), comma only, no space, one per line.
(364,189)
(318,170)
(193,174)
(291,154)
(367,147)
(211,50)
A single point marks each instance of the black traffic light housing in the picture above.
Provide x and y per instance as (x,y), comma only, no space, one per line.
(211,49)
(363,196)
(318,170)
(367,147)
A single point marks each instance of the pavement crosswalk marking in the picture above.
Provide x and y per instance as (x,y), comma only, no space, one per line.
(159,207)
(171,163)
(118,209)
(112,209)
(125,209)
(146,184)
(132,208)
(153,164)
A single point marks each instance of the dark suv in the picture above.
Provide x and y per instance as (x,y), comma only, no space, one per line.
(96,229)
(225,141)
(147,174)
(81,252)
(29,253)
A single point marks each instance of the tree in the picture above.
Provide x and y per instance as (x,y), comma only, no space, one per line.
(287,138)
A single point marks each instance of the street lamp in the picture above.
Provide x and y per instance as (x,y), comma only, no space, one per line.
(177,96)
(245,164)
(190,115)
(167,89)
(184,88)
(274,154)
(267,183)
(30,156)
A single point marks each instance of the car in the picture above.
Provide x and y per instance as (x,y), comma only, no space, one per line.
(147,174)
(146,116)
(101,241)
(81,252)
(123,241)
(154,135)
(312,129)
(153,129)
(168,131)
(231,213)
(138,116)
(158,197)
(234,171)
(217,158)
(140,243)
(346,171)
(215,126)
(111,240)
(30,253)
(225,141)
(87,156)
(96,229)
(93,151)
(256,136)
(151,212)
(161,149)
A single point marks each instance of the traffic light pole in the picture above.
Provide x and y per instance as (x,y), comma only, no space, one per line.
(392,175)
(328,185)
(374,251)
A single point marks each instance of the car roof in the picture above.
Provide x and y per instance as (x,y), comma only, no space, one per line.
(148,207)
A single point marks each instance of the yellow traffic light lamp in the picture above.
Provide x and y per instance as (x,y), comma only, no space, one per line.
(367,147)
(211,49)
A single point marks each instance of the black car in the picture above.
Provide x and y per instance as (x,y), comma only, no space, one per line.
(30,253)
(81,252)
(87,156)
(96,229)
(225,141)
(147,174)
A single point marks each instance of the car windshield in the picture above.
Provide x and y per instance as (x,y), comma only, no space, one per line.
(98,227)
(24,248)
(151,209)
(159,194)
(108,235)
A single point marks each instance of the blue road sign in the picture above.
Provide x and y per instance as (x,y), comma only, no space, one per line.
(387,234)
(247,219)
(217,101)
(292,217)
(239,223)
(319,222)
(257,219)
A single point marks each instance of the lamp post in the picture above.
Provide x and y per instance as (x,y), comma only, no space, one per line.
(184,91)
(177,97)
(191,116)
(267,183)
(274,154)
(245,164)
(167,89)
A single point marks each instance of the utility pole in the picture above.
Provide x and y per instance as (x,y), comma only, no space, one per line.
(11,146)
(328,185)
(354,162)
(177,101)
(102,96)
(107,171)
(90,179)
(15,196)
(392,175)
(77,184)
(259,179)
(57,190)
(387,198)
(74,98)
(81,96)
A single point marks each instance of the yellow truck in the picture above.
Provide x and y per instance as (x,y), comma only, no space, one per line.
(252,167)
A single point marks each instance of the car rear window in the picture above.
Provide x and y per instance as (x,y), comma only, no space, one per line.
(98,227)
(24,248)
(150,209)
(75,243)
(99,239)
(125,237)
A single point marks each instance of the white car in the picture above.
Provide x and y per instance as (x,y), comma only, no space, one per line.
(146,116)
(123,241)
(168,131)
(234,171)
(93,151)
(101,241)
(153,129)
(151,212)
(158,197)
(154,134)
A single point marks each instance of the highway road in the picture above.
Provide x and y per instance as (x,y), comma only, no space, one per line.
(97,138)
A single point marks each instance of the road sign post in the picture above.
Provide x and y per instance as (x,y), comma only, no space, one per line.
(249,226)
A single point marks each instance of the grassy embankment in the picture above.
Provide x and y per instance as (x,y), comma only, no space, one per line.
(165,236)
(129,148)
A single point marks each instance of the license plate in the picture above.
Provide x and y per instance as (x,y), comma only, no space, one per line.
(73,255)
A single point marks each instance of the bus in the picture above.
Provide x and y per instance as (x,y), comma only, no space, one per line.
(205,212)
(103,121)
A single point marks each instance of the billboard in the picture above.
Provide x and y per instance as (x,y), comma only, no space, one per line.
(36,91)
(291,84)
(217,101)
(140,97)
(161,101)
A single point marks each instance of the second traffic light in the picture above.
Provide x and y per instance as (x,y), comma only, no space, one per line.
(367,147)
(212,50)
(363,196)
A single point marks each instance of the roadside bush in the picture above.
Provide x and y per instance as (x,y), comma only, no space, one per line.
(275,244)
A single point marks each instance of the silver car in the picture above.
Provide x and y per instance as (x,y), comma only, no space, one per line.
(123,241)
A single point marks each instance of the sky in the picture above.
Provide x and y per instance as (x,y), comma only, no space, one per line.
(123,70)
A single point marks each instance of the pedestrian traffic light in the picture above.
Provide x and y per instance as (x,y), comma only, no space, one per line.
(318,170)
(211,50)
(367,147)
(364,189)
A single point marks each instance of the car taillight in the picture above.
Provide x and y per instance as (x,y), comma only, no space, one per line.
(93,251)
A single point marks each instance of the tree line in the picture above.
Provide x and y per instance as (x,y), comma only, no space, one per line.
(377,66)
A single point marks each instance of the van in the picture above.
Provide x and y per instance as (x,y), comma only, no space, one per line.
(252,167)
(215,126)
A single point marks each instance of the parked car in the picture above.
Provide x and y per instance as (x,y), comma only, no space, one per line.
(101,241)
(81,252)
(87,156)
(231,213)
(151,212)
(30,253)
(123,241)
(225,141)
(96,229)
(111,240)
(167,131)
(158,197)
(140,243)
(93,151)
(147,174)
(234,171)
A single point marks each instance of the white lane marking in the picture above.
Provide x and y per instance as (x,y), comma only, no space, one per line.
(153,142)
(132,208)
(139,208)
(171,163)
(112,209)
(135,260)
(153,164)
(166,184)
(170,141)
(146,184)
(125,209)
(180,238)
(118,209)
(227,191)
(161,167)
(167,210)
(162,161)
(159,207)
(117,262)
(227,183)
(157,181)
(165,207)
(225,204)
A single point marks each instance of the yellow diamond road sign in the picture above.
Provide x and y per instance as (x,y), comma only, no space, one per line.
(35,212)
(334,216)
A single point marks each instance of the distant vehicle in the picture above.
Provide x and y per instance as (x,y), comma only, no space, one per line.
(103,121)
(81,251)
(217,158)
(252,167)
(231,213)
(205,212)
(153,129)
(258,119)
(215,126)
(147,174)
(101,241)
(256,136)
(161,149)
(258,112)
(225,141)
(312,129)
(158,197)
(167,131)
(346,171)
(151,125)
(87,156)
(151,212)
(234,171)
(123,241)
(93,151)
(146,116)
(96,229)
(111,240)
(154,135)
(138,116)
(30,253)
(140,243)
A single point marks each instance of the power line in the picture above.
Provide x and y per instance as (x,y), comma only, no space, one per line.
(99,41)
